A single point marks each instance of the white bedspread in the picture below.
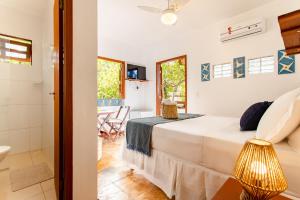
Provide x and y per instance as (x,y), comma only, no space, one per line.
(202,140)
(203,147)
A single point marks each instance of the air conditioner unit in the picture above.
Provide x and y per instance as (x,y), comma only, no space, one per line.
(242,30)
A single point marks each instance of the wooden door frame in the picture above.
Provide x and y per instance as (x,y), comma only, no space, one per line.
(67,119)
(65,140)
(159,82)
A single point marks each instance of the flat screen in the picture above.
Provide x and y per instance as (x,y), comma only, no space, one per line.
(132,74)
(136,72)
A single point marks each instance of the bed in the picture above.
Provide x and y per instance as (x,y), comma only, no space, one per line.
(191,159)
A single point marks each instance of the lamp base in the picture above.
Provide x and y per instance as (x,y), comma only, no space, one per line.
(247,196)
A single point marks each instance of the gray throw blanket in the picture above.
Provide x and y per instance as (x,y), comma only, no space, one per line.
(139,131)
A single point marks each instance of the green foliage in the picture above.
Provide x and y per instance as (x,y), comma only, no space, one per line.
(173,76)
(108,79)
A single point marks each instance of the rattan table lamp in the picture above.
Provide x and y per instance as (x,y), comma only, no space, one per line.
(259,172)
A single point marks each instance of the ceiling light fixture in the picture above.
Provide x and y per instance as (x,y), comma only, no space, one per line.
(169,17)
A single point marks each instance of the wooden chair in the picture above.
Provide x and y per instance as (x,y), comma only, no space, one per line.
(116,124)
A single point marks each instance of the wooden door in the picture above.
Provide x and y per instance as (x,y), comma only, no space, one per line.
(160,84)
(158,88)
(56,99)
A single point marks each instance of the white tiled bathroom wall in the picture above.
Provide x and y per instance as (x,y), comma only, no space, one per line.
(20,107)
(26,108)
(21,86)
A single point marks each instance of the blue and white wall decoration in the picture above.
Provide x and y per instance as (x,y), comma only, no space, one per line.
(205,72)
(239,67)
(286,64)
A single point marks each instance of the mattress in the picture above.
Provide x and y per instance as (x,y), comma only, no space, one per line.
(215,142)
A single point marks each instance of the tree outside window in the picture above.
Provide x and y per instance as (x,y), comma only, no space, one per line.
(173,80)
(110,79)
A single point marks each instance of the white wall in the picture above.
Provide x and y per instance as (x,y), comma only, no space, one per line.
(84,97)
(227,96)
(122,50)
(107,47)
(48,84)
(20,87)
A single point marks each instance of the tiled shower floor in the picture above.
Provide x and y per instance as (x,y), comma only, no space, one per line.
(43,191)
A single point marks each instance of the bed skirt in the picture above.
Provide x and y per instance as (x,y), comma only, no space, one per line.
(185,180)
(177,177)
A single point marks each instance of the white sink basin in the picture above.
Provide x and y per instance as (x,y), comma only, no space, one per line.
(4,150)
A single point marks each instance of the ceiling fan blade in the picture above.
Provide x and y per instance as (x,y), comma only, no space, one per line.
(150,9)
(178,4)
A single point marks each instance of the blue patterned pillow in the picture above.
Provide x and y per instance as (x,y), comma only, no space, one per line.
(251,117)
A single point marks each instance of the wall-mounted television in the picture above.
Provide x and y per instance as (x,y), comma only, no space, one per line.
(136,72)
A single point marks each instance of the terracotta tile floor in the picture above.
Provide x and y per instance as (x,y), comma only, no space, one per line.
(117,182)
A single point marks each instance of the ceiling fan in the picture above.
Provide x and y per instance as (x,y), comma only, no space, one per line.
(168,15)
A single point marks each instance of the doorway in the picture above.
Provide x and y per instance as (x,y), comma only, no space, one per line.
(171,82)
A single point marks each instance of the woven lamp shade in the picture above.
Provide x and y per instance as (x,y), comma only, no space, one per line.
(259,172)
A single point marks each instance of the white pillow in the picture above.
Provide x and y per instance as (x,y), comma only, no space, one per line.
(281,118)
(294,140)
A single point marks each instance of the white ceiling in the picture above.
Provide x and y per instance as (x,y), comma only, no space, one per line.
(121,20)
(31,7)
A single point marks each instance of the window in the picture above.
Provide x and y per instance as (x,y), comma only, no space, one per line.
(15,50)
(223,70)
(261,65)
(111,79)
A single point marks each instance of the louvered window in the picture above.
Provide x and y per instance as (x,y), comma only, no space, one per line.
(223,70)
(261,65)
(15,50)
